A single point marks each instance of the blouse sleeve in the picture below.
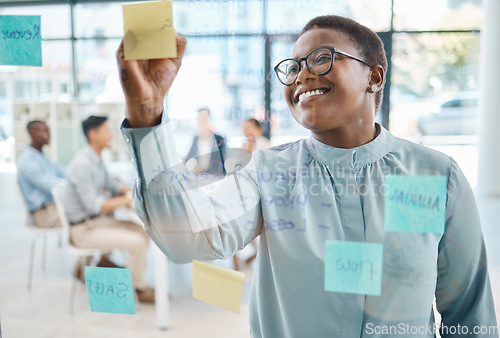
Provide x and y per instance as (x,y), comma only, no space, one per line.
(188,215)
(463,291)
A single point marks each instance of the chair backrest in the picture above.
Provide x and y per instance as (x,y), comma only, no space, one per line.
(29,221)
(59,194)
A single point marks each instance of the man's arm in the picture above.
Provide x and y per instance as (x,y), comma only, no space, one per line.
(110,204)
(93,202)
(463,292)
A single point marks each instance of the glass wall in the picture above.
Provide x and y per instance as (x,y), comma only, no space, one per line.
(435,59)
(435,84)
(433,56)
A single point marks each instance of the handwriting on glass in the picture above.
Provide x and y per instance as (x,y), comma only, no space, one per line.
(281,224)
(416,200)
(99,288)
(26,34)
(355,266)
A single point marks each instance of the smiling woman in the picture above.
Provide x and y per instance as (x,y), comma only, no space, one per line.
(336,94)
(332,86)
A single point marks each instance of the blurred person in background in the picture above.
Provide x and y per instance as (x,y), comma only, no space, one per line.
(254,136)
(37,175)
(93,196)
(206,154)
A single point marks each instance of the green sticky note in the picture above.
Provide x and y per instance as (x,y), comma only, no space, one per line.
(110,290)
(20,40)
(415,204)
(353,267)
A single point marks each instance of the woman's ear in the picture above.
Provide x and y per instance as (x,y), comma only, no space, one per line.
(377,79)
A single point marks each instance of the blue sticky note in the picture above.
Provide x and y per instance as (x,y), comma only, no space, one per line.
(20,40)
(415,204)
(110,290)
(353,267)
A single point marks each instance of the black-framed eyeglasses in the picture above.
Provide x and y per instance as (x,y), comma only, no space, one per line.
(318,62)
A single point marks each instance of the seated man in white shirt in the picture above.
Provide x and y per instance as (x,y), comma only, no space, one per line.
(37,174)
(93,196)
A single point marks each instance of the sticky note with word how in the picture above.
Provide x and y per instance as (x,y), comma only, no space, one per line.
(218,286)
(148,31)
(20,40)
(415,204)
(353,267)
(110,290)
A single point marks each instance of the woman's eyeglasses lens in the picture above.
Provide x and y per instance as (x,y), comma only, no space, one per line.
(319,62)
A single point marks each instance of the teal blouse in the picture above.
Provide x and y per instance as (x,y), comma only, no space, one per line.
(296,197)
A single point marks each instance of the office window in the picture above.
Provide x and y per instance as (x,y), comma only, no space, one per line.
(226,69)
(98,20)
(216,74)
(97,72)
(437,14)
(218,17)
(55,20)
(435,84)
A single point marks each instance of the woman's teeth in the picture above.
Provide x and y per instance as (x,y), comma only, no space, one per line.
(310,93)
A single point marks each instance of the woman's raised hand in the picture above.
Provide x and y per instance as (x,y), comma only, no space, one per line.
(145,84)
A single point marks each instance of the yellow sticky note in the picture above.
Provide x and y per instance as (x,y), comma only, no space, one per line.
(217,286)
(148,31)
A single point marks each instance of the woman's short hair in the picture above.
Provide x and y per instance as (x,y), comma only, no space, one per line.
(368,43)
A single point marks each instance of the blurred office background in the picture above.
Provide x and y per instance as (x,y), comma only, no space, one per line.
(432,96)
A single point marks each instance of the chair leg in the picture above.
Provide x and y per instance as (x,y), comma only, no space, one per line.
(44,253)
(73,287)
(32,258)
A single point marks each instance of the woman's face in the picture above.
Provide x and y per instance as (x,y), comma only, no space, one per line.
(345,102)
(204,124)
(251,131)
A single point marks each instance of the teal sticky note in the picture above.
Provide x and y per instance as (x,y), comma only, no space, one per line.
(20,40)
(353,267)
(415,204)
(110,290)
